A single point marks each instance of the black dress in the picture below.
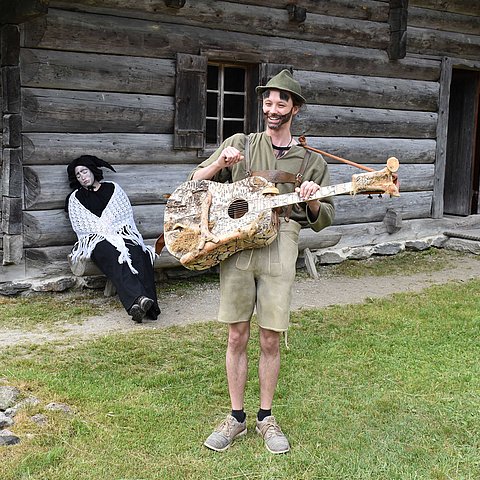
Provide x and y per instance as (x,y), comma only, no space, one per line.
(129,285)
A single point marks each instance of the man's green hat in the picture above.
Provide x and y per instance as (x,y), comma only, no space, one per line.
(283,81)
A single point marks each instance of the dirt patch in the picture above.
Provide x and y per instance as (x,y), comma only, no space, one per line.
(200,302)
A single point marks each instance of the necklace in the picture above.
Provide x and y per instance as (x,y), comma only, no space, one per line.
(280,151)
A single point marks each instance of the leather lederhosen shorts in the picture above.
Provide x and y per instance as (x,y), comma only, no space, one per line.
(261,279)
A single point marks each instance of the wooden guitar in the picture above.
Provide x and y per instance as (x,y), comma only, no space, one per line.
(206,222)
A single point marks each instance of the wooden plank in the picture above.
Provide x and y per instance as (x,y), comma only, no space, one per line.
(9,45)
(12,249)
(115,148)
(11,216)
(12,174)
(363,9)
(46,187)
(12,130)
(364,122)
(376,150)
(442,137)
(367,91)
(435,42)
(49,110)
(233,16)
(466,7)
(114,35)
(397,20)
(52,227)
(441,20)
(11,92)
(89,71)
(190,101)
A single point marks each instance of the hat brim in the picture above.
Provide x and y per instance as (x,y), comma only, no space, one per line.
(263,88)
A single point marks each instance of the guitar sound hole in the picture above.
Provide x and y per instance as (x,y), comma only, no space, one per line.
(238,208)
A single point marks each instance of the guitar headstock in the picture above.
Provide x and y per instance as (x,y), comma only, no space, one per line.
(381,181)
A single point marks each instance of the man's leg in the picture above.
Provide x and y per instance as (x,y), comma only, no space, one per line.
(269,366)
(235,425)
(237,362)
(268,370)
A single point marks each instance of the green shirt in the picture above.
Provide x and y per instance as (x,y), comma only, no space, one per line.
(262,157)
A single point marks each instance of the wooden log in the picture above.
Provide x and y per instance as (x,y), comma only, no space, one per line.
(361,209)
(115,148)
(367,91)
(232,16)
(449,44)
(314,240)
(440,20)
(114,35)
(364,122)
(46,187)
(54,260)
(49,110)
(375,150)
(88,71)
(466,7)
(52,227)
(363,10)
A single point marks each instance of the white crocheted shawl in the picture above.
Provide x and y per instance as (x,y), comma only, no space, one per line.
(115,225)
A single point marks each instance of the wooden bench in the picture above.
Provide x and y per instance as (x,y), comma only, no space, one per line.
(307,240)
(86,268)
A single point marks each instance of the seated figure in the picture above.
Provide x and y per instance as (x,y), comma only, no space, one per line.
(101,215)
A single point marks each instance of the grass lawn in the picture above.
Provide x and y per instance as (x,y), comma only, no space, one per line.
(386,390)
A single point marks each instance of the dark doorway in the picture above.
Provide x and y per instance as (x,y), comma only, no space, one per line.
(462,169)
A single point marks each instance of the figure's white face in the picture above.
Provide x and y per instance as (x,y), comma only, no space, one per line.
(277,111)
(84,176)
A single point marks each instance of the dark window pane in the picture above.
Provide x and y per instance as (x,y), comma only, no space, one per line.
(233,106)
(212,77)
(212,104)
(211,134)
(230,127)
(234,80)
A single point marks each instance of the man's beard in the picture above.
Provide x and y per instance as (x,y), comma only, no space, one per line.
(283,119)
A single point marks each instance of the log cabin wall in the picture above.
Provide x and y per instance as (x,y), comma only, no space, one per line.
(98,77)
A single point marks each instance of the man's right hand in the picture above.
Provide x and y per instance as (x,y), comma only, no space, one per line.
(229,156)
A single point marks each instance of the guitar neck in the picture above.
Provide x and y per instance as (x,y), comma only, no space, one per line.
(324,192)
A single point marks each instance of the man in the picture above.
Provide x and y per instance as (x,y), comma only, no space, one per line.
(262,278)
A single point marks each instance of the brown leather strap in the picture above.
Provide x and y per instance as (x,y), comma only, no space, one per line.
(276,176)
(246,155)
(287,211)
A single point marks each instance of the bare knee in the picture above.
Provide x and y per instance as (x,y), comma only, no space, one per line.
(269,342)
(238,335)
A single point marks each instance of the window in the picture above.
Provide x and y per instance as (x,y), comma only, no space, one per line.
(226,102)
(215,98)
